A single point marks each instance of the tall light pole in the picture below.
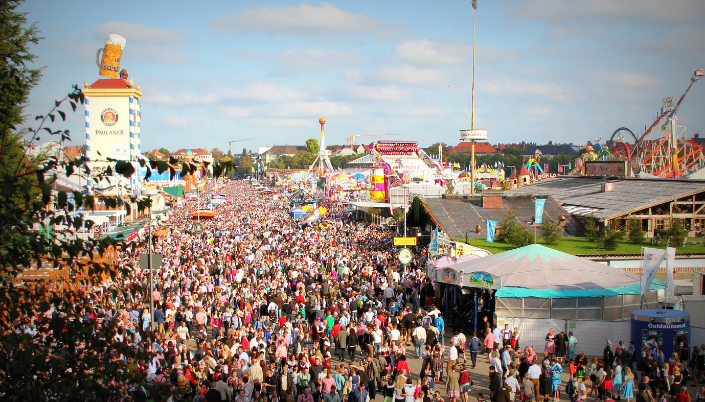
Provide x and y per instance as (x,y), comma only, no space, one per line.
(149,194)
(473,134)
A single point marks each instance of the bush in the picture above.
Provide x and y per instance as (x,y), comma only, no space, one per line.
(609,239)
(551,231)
(591,228)
(636,235)
(513,232)
(676,233)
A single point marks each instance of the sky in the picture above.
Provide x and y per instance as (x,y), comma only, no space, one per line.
(266,71)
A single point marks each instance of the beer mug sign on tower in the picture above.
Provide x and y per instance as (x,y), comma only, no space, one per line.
(109,63)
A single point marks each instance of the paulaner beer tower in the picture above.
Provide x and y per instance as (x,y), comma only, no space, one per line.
(113,112)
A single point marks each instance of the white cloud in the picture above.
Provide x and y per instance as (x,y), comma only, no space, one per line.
(387,92)
(183,99)
(313,109)
(236,111)
(298,60)
(352,75)
(631,10)
(304,20)
(409,75)
(263,92)
(628,79)
(137,32)
(416,111)
(537,111)
(449,52)
(521,88)
(276,122)
(146,43)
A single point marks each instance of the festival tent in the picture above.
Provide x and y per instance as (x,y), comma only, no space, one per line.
(539,271)
(541,283)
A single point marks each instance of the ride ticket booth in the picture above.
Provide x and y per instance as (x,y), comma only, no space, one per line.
(668,329)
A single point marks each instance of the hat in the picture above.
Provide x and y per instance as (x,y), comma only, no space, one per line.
(609,343)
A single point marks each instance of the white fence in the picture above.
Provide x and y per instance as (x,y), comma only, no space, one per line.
(592,335)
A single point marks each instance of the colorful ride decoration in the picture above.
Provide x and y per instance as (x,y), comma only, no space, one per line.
(379,184)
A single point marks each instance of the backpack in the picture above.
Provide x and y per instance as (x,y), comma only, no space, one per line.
(570,390)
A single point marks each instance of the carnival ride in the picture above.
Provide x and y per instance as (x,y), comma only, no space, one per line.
(663,149)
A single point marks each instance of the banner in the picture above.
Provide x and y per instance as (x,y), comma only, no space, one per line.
(670,262)
(538,210)
(434,240)
(653,257)
(491,228)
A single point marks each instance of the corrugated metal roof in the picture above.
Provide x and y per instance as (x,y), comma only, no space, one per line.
(583,195)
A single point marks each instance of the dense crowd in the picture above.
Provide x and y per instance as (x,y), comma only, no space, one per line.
(260,307)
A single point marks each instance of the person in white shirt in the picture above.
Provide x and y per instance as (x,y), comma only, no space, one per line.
(534,373)
(183,332)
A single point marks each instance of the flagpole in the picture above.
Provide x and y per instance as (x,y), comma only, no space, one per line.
(641,299)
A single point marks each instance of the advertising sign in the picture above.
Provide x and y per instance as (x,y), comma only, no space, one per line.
(538,210)
(491,229)
(405,256)
(470,135)
(448,275)
(482,280)
(606,168)
(653,257)
(405,241)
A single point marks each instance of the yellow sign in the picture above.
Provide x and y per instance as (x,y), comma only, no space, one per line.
(405,241)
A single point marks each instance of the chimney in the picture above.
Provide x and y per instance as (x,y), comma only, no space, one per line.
(607,187)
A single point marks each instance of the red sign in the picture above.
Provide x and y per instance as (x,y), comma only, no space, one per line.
(606,168)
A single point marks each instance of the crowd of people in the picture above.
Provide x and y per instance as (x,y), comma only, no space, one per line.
(254,306)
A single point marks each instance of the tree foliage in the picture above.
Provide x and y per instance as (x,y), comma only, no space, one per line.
(244,168)
(551,231)
(676,233)
(591,228)
(312,146)
(609,239)
(511,231)
(636,234)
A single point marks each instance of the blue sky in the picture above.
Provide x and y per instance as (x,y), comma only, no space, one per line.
(566,71)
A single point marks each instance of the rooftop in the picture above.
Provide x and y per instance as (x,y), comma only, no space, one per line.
(582,196)
(458,216)
(110,84)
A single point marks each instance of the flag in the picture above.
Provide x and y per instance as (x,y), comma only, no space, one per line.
(560,168)
(570,166)
(434,239)
(491,228)
(653,257)
(670,262)
(495,165)
(538,210)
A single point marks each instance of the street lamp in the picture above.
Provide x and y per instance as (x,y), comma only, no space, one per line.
(149,194)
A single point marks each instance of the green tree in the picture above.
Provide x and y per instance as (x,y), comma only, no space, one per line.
(166,152)
(551,231)
(511,231)
(591,228)
(636,234)
(312,146)
(217,154)
(433,150)
(609,240)
(676,233)
(244,168)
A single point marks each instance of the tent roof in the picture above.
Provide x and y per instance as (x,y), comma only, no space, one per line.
(539,268)
(176,191)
